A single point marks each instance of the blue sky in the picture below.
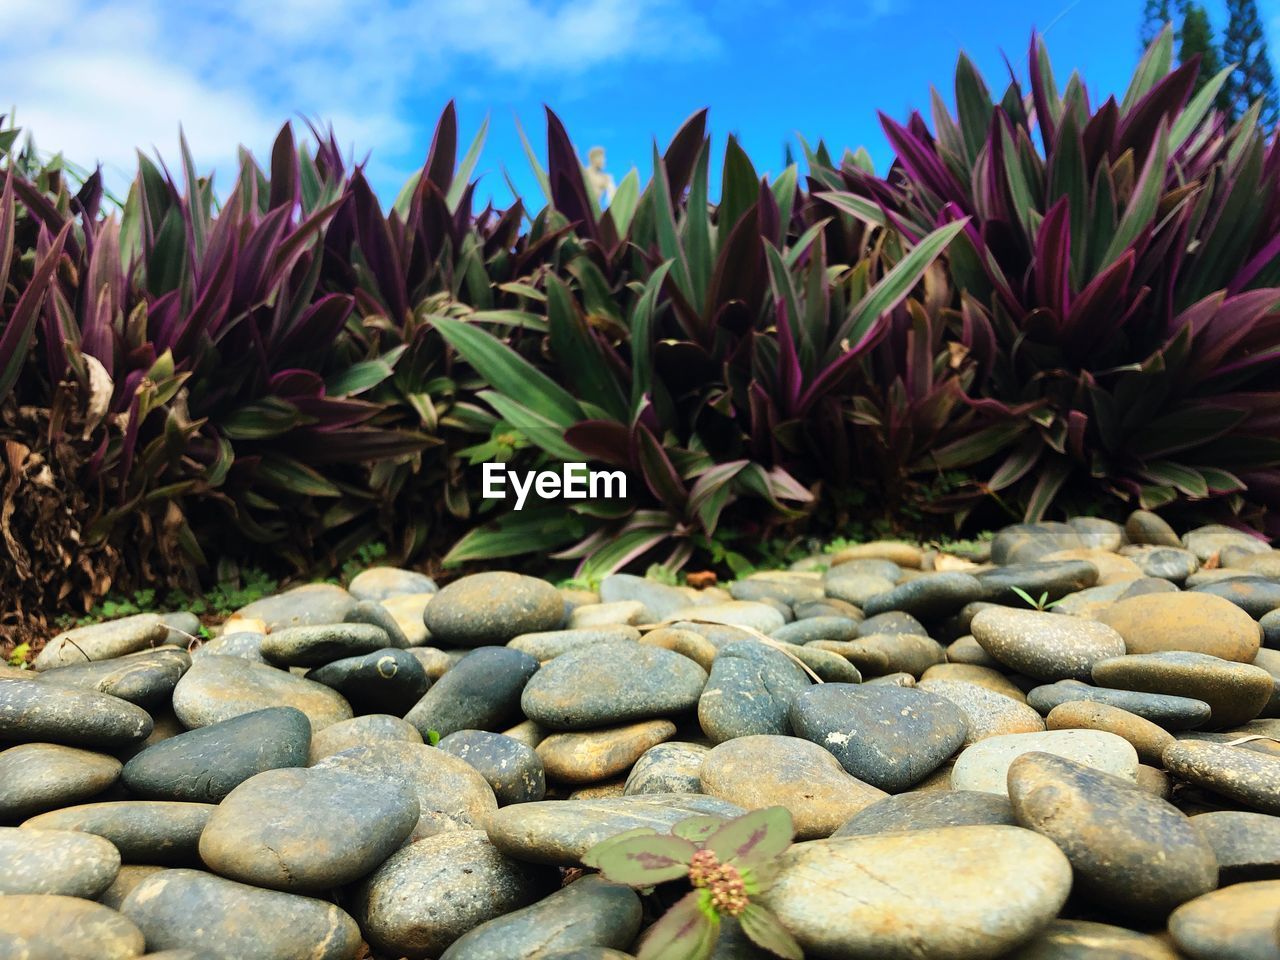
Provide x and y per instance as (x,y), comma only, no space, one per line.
(96,79)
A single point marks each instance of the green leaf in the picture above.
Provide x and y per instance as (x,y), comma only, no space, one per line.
(621,549)
(579,357)
(592,857)
(362,376)
(1152,68)
(269,417)
(289,474)
(687,931)
(868,211)
(522,319)
(463,174)
(1144,202)
(532,530)
(646,861)
(625,199)
(542,432)
(739,189)
(697,829)
(973,107)
(697,230)
(642,336)
(1196,110)
(784,194)
(664,219)
(539,173)
(766,931)
(754,837)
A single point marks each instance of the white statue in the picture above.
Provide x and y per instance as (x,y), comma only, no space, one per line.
(599,183)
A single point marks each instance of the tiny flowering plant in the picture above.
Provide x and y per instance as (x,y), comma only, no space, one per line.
(726,861)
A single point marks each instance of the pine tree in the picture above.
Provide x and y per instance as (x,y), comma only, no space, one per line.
(1245,45)
(1154,16)
(1196,38)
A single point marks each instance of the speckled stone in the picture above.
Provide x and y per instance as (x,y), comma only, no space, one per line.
(894,653)
(382,583)
(1172,713)
(1256,596)
(1047,646)
(1147,738)
(128,877)
(372,728)
(237,920)
(1235,692)
(1197,622)
(103,641)
(1112,833)
(1247,845)
(146,678)
(427,895)
(927,811)
(974,673)
(54,861)
(985,765)
(42,712)
(1086,940)
(48,926)
(766,771)
(895,621)
(612,684)
(491,608)
(789,588)
(549,644)
(956,892)
(388,680)
(1235,923)
(589,756)
(1164,563)
(667,768)
(305,830)
(313,646)
(41,776)
(749,691)
(144,831)
(1246,776)
(890,737)
(966,650)
(986,712)
(219,688)
(482,692)
(513,769)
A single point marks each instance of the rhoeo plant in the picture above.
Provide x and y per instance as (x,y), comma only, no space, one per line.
(727,862)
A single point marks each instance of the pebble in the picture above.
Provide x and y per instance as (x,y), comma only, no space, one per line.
(929,597)
(687,643)
(1148,585)
(1246,776)
(53,861)
(788,589)
(1098,533)
(612,684)
(749,691)
(667,768)
(856,588)
(1086,939)
(358,732)
(246,644)
(767,771)
(304,830)
(1270,626)
(41,711)
(1113,833)
(888,736)
(985,765)
(146,678)
(451,794)
(1028,542)
(551,643)
(593,615)
(437,662)
(427,895)
(143,831)
(513,769)
(53,927)
(389,680)
(894,551)
(1165,563)
(1256,596)
(829,667)
(976,674)
(383,583)
(482,692)
(986,712)
(128,877)
(373,613)
(895,621)
(237,920)
(1055,578)
(959,892)
(1196,622)
(589,918)
(218,688)
(1143,526)
(309,605)
(1235,692)
(561,831)
(1213,538)
(1171,713)
(589,756)
(1235,923)
(490,608)
(828,607)
(967,650)
(1247,845)
(102,641)
(205,764)
(408,610)
(898,652)
(1263,564)
(1147,738)
(747,614)
(313,646)
(1047,646)
(927,811)
(42,776)
(810,629)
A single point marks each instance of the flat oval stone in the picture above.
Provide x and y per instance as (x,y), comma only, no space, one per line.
(313,646)
(986,713)
(386,680)
(829,667)
(1172,713)
(658,599)
(451,794)
(1113,833)
(513,769)
(985,765)
(974,673)
(1197,622)
(427,895)
(955,892)
(1270,625)
(1165,563)
(1235,692)
(41,776)
(966,650)
(1098,533)
(899,553)
(144,831)
(307,829)
(245,644)
(561,831)
(1047,646)
(927,811)
(549,644)
(595,615)
(362,731)
(749,691)
(687,643)
(589,756)
(786,588)
(1256,596)
(749,614)
(1246,776)
(1085,940)
(667,768)
(102,641)
(48,926)
(308,605)
(205,764)
(1143,526)
(1056,578)
(43,712)
(901,652)
(611,684)
(237,920)
(1028,542)
(588,913)
(1147,738)
(766,771)
(1213,538)
(482,692)
(146,678)
(855,587)
(928,597)
(861,566)
(219,688)
(491,608)
(894,621)
(890,737)
(1235,923)
(382,583)
(1247,845)
(55,861)
(809,629)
